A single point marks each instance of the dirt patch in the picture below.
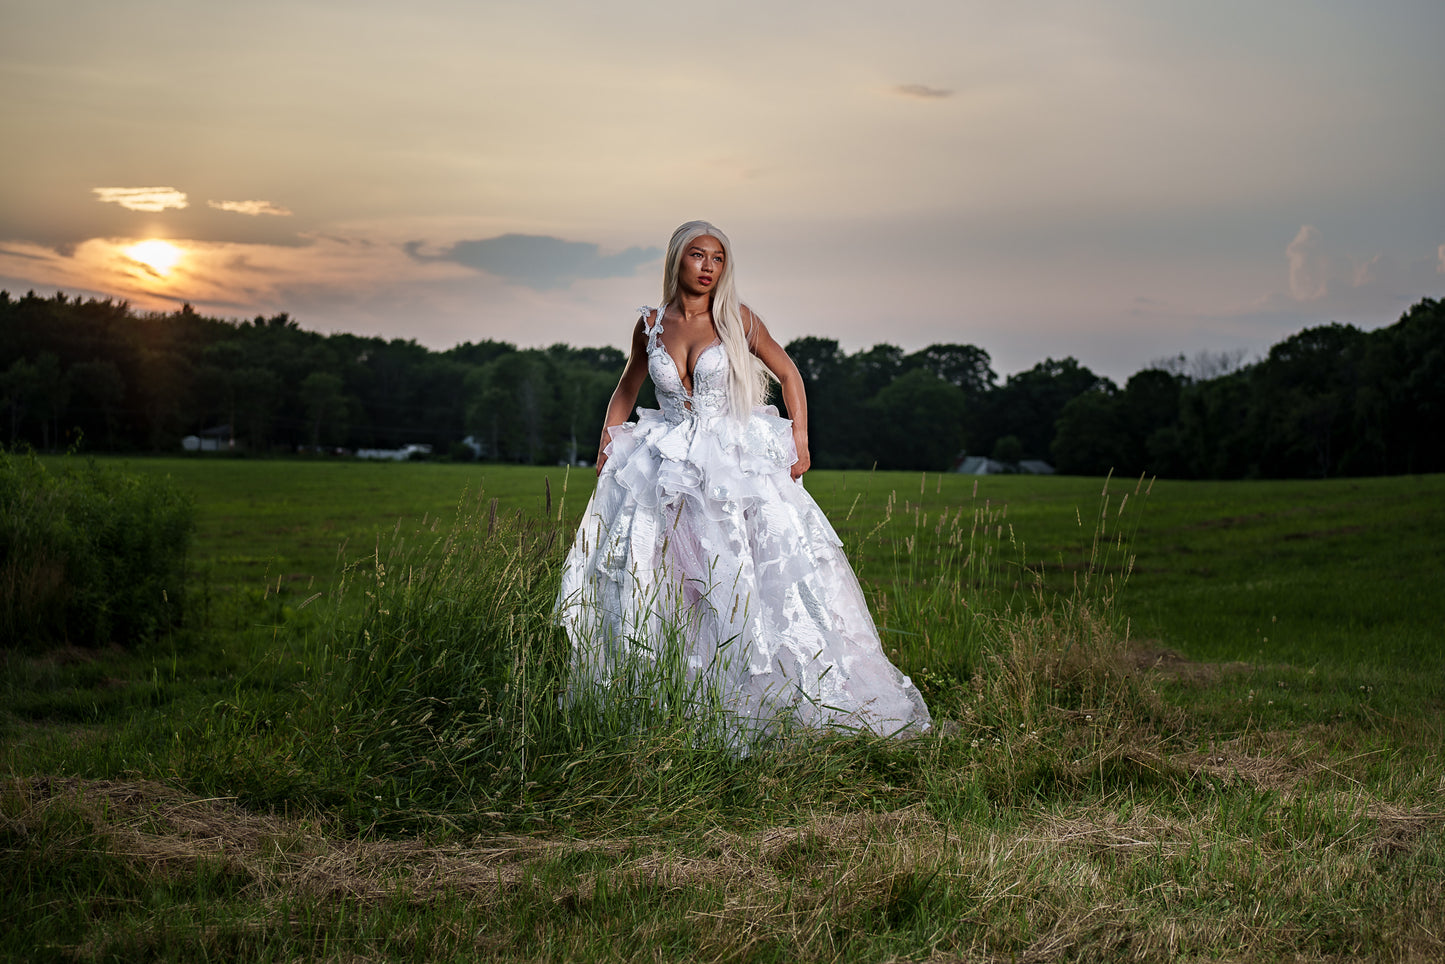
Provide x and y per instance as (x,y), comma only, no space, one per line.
(1323,533)
(64,654)
(1148,658)
(1227,521)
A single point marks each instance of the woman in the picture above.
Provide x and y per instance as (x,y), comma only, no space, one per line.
(703,574)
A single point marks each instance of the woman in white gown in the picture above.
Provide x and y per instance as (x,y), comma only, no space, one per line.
(702,570)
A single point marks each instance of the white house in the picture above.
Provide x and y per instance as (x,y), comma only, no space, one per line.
(395,455)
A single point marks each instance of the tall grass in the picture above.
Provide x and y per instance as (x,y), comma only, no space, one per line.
(1066,650)
(436,689)
(961,591)
(88,554)
(440,695)
(949,575)
(1063,811)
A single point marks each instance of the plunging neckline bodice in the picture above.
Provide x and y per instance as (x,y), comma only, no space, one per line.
(704,393)
(684,372)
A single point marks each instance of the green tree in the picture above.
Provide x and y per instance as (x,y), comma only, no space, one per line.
(258,394)
(837,422)
(324,396)
(164,388)
(1146,416)
(1215,430)
(20,387)
(511,407)
(99,385)
(1090,436)
(876,367)
(53,398)
(1030,402)
(967,366)
(1304,394)
(1009,449)
(925,416)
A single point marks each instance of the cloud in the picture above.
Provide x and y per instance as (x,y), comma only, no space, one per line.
(228,278)
(44,255)
(1328,280)
(252,208)
(1326,283)
(922,91)
(1309,266)
(538,261)
(149,199)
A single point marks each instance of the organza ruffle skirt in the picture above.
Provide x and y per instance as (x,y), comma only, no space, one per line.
(704,573)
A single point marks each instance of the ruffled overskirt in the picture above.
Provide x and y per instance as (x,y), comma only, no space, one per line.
(699,552)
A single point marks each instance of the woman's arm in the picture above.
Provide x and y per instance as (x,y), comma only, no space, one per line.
(771,353)
(624,396)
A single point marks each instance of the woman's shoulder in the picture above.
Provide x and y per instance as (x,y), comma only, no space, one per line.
(752,323)
(642,329)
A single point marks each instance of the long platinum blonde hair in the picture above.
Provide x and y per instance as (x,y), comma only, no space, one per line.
(747,377)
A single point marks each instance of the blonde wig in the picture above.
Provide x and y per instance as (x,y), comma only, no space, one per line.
(747,377)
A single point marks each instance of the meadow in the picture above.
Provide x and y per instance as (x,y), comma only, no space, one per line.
(1185,721)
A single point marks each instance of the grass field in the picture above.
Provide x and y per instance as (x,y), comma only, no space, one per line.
(1234,756)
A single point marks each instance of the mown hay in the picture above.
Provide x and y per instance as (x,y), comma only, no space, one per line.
(1099,880)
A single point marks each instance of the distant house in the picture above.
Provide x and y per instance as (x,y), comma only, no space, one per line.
(402,454)
(218,439)
(979,465)
(982,465)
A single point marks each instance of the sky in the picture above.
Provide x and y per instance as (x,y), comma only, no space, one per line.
(1117,181)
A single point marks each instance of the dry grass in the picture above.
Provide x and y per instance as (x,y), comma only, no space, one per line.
(1166,664)
(1067,811)
(168,831)
(1103,880)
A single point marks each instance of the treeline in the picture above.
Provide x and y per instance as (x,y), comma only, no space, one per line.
(1330,400)
(140,381)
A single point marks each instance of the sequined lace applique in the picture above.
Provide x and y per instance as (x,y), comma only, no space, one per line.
(709,395)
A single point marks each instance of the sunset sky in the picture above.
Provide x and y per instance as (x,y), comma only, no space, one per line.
(1117,181)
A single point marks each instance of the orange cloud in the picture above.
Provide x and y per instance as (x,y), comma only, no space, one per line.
(149,199)
(252,208)
(221,277)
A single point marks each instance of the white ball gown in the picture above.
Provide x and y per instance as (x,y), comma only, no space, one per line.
(705,576)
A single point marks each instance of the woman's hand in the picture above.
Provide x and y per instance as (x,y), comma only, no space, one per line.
(771,354)
(805,461)
(602,450)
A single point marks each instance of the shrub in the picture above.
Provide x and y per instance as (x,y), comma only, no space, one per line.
(88,555)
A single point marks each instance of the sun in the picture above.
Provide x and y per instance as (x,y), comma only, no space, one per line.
(160,257)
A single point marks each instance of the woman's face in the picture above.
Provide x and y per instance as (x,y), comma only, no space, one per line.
(702,266)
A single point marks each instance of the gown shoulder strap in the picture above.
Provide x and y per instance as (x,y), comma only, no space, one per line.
(652,330)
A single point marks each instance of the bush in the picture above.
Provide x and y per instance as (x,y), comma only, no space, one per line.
(88,555)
